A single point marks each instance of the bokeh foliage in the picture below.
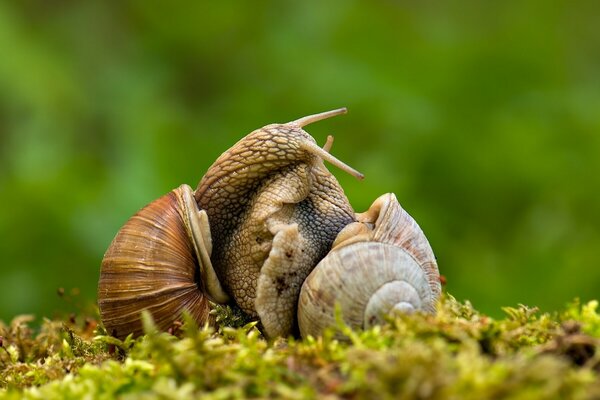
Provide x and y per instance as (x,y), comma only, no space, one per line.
(483,118)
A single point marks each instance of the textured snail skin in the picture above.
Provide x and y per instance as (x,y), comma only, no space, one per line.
(381,264)
(274,211)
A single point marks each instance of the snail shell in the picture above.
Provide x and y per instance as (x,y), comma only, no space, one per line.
(159,261)
(380,264)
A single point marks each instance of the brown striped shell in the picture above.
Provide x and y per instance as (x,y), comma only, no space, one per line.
(159,261)
(381,264)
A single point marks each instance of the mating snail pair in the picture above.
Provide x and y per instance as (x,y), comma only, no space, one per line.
(269,228)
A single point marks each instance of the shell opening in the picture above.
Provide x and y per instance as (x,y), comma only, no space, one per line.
(198,229)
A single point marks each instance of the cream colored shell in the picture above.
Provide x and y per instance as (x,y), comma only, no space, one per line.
(381,264)
(368,280)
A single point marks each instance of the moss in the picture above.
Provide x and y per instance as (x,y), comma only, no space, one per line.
(459,353)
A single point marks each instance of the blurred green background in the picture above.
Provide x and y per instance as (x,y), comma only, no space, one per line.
(483,118)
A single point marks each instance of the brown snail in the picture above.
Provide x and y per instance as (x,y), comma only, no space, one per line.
(159,261)
(263,216)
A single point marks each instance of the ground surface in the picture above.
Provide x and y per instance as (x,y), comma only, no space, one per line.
(457,354)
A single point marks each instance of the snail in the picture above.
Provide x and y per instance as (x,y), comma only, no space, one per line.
(380,264)
(261,218)
(159,261)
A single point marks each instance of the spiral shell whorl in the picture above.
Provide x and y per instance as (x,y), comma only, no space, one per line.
(368,280)
(151,265)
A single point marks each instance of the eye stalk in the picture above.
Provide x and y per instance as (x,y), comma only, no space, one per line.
(309,119)
(323,153)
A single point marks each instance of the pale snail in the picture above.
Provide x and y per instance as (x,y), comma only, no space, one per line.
(378,265)
(263,216)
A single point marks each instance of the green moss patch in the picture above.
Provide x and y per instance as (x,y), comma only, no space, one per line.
(459,353)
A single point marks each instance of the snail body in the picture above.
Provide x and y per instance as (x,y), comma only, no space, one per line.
(271,195)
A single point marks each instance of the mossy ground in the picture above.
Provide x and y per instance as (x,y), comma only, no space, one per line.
(457,354)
